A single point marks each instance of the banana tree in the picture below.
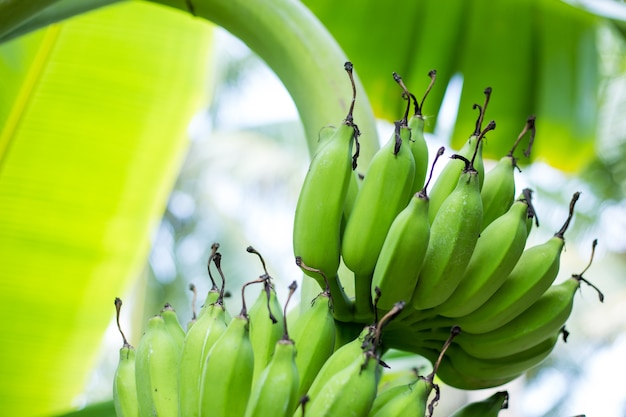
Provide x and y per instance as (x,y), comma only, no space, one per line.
(97,94)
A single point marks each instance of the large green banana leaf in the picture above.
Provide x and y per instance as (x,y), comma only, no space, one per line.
(93,118)
(539,56)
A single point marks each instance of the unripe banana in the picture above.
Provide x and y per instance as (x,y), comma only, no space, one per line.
(209,326)
(498,191)
(229,367)
(340,359)
(173,325)
(156,371)
(402,400)
(350,392)
(453,236)
(532,276)
(449,176)
(504,367)
(384,193)
(314,335)
(320,206)
(418,146)
(266,326)
(540,321)
(454,378)
(124,384)
(489,407)
(275,392)
(496,253)
(227,373)
(412,400)
(403,251)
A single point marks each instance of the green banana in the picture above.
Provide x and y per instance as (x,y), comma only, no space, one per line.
(350,392)
(419,148)
(227,373)
(195,352)
(498,191)
(265,330)
(173,325)
(209,324)
(538,322)
(340,359)
(497,251)
(453,236)
(460,370)
(454,378)
(412,400)
(320,205)
(403,250)
(448,178)
(314,335)
(124,384)
(403,400)
(489,407)
(266,321)
(398,376)
(532,276)
(156,371)
(348,386)
(504,367)
(275,392)
(384,193)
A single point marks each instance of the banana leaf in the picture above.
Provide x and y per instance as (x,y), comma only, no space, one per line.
(93,119)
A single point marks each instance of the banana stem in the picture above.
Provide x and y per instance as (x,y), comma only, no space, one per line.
(343,308)
(302,53)
(363,306)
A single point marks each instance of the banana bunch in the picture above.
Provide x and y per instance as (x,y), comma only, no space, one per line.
(455,252)
(254,364)
(209,369)
(442,271)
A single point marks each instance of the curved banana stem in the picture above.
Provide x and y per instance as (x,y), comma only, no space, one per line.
(302,53)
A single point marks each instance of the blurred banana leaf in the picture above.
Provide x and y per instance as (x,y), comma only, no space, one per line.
(540,57)
(93,119)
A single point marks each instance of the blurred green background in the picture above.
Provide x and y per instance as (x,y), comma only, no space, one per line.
(135,135)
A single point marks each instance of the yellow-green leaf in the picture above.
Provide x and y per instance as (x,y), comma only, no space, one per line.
(93,117)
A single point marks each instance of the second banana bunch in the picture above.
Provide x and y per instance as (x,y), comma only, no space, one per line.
(454,252)
(258,364)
